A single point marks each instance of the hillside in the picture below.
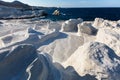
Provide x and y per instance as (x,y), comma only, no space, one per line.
(15,4)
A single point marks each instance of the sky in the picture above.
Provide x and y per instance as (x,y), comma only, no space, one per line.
(72,3)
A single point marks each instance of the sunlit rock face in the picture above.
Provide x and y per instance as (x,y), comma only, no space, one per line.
(94,54)
(62,47)
(101,23)
(98,22)
(71,25)
(96,59)
(25,63)
(86,28)
(111,37)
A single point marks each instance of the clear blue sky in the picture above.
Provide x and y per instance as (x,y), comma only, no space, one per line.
(72,3)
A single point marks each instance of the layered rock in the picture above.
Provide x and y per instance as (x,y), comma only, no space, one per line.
(8,12)
(14,13)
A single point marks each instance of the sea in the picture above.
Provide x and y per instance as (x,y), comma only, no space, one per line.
(87,14)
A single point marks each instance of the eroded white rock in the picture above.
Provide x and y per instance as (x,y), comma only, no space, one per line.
(101,23)
(25,63)
(86,28)
(96,59)
(71,25)
(62,47)
(98,22)
(110,37)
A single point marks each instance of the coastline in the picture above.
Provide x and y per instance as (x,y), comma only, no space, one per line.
(59,43)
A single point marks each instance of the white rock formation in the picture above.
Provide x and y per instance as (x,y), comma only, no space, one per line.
(71,25)
(37,38)
(98,23)
(24,63)
(17,59)
(54,25)
(62,47)
(7,12)
(101,23)
(86,28)
(10,12)
(111,37)
(96,59)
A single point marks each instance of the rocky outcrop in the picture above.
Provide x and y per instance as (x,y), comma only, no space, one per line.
(110,37)
(14,62)
(98,22)
(101,23)
(7,12)
(86,28)
(96,59)
(62,47)
(99,59)
(56,13)
(71,25)
(53,25)
(24,63)
(14,13)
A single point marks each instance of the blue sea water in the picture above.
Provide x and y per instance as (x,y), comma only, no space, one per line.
(87,14)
